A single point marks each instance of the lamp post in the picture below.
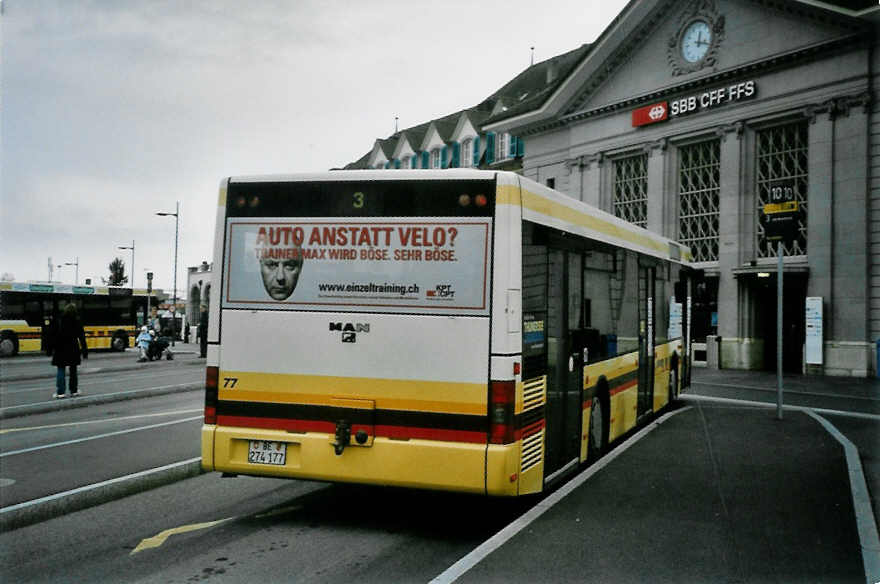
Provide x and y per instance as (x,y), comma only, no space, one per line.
(76,273)
(131,247)
(176,216)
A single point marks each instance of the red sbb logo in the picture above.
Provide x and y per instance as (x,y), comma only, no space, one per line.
(650,114)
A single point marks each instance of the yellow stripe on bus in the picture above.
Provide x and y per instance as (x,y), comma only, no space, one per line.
(394,394)
(513,195)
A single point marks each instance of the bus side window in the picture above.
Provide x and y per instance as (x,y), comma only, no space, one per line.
(534,305)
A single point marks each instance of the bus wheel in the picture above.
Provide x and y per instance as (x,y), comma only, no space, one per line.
(596,443)
(8,344)
(120,342)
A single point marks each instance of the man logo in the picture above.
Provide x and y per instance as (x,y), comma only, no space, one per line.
(349,330)
(657,112)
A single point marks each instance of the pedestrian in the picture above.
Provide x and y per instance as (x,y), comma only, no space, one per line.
(67,343)
(143,343)
(203,331)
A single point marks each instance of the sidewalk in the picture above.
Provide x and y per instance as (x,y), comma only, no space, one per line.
(841,386)
(709,493)
(127,361)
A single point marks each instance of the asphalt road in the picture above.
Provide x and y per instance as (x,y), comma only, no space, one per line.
(721,523)
(58,451)
(29,380)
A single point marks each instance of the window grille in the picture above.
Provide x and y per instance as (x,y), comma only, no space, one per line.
(631,189)
(782,156)
(699,180)
(435,158)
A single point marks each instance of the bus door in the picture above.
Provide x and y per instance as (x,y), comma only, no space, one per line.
(565,361)
(647,289)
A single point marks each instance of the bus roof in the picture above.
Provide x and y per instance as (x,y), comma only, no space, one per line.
(540,204)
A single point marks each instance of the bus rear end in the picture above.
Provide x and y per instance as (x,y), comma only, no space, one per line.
(350,338)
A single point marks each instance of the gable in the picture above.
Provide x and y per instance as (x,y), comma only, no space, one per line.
(432,139)
(747,33)
(403,148)
(464,129)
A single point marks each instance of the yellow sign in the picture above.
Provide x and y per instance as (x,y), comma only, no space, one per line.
(785,207)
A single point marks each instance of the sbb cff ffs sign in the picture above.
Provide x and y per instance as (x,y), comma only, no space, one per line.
(688,104)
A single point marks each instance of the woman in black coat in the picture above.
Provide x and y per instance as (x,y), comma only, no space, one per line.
(66,343)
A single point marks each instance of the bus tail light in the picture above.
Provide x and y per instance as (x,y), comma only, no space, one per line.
(212,376)
(502,397)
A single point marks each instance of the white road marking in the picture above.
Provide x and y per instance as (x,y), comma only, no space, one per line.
(100,421)
(99,436)
(865,521)
(460,567)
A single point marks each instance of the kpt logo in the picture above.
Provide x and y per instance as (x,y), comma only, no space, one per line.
(441,291)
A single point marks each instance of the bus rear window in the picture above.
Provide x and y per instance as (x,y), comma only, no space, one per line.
(386,198)
(390,246)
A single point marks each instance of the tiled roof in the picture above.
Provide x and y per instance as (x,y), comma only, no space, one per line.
(532,87)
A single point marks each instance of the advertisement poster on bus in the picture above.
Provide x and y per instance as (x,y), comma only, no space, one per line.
(378,264)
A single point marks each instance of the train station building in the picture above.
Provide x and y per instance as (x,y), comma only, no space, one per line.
(687,118)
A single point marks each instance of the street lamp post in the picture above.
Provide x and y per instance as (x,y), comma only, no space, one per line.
(131,247)
(76,273)
(176,216)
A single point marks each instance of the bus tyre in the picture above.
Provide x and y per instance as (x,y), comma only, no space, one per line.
(120,342)
(596,438)
(8,344)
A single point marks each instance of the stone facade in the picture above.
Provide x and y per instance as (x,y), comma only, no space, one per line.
(783,96)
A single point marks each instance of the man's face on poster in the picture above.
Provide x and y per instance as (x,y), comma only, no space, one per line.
(280,276)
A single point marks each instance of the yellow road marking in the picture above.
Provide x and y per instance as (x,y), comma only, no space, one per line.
(157,540)
(8,430)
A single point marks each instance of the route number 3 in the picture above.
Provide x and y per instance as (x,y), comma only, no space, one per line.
(358,200)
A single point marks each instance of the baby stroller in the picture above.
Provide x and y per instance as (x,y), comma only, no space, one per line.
(158,347)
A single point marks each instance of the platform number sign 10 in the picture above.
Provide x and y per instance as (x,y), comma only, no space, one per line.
(781,212)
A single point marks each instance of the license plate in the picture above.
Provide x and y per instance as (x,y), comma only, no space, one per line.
(267,452)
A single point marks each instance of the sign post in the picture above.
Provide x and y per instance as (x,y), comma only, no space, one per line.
(781,226)
(149,293)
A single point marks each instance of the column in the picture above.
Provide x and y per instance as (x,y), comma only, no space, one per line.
(736,349)
(657,188)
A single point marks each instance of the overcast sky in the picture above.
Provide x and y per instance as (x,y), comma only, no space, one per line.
(113,110)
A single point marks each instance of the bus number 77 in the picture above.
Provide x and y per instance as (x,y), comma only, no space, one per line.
(230,382)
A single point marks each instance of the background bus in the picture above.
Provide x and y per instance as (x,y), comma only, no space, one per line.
(458,330)
(110,315)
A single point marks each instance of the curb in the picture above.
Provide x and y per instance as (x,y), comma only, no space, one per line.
(30,512)
(84,401)
(108,369)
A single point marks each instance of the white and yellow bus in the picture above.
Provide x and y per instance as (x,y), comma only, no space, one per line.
(460,330)
(110,314)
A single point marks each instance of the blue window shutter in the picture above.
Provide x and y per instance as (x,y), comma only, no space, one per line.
(388,164)
(512,147)
(414,163)
(397,163)
(490,147)
(444,157)
(477,151)
(426,160)
(456,155)
(520,147)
